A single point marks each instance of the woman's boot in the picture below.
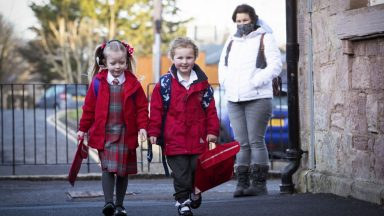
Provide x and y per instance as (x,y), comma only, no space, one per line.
(259,174)
(242,174)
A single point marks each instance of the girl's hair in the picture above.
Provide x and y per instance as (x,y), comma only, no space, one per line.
(112,46)
(182,42)
(244,8)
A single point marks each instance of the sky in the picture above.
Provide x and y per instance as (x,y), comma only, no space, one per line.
(20,15)
(219,13)
(206,14)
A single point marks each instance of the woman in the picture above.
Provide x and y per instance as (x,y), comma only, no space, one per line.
(248,89)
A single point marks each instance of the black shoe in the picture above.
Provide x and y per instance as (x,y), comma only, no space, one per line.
(183,211)
(183,208)
(109,209)
(120,211)
(195,203)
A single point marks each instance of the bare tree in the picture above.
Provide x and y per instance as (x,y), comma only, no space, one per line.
(12,66)
(69,47)
(70,30)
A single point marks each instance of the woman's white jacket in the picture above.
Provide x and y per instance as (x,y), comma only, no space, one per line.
(241,79)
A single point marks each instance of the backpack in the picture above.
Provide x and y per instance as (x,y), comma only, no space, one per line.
(165,92)
(260,63)
(96,83)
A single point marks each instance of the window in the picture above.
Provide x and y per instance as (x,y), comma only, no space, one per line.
(361,21)
(376,2)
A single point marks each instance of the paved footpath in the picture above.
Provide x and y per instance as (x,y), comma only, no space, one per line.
(147,197)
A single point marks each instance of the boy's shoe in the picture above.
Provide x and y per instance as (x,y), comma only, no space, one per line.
(195,201)
(109,209)
(120,211)
(183,208)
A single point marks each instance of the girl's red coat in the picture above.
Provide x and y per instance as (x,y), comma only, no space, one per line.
(187,123)
(95,110)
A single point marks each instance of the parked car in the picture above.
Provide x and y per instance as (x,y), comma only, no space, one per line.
(63,96)
(276,136)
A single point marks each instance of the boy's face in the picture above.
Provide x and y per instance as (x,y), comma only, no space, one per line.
(116,62)
(184,59)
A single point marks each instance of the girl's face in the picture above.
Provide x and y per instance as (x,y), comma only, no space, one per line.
(243,18)
(116,62)
(184,59)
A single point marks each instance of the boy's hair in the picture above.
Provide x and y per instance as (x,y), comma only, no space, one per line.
(182,42)
(244,8)
(115,46)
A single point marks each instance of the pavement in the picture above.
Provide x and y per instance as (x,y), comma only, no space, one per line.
(150,193)
(153,196)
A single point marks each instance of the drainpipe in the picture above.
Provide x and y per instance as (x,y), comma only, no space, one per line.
(310,92)
(293,153)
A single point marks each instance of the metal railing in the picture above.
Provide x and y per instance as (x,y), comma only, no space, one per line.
(39,124)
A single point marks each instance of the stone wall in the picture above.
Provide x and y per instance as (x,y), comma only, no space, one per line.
(348,105)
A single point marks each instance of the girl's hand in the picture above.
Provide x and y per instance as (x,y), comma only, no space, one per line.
(211,138)
(80,135)
(143,134)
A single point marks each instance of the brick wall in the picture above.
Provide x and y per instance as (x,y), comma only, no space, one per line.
(348,102)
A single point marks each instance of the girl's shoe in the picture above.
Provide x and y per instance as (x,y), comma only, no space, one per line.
(120,211)
(195,201)
(109,209)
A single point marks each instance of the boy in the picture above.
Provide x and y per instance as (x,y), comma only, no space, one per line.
(191,120)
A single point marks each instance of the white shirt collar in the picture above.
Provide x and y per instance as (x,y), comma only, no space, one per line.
(110,78)
(187,84)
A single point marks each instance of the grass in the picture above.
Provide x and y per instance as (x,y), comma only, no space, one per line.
(75,114)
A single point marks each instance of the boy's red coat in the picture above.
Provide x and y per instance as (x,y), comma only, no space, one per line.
(187,123)
(95,110)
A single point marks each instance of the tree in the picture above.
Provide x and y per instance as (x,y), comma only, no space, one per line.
(131,20)
(12,67)
(71,29)
(65,39)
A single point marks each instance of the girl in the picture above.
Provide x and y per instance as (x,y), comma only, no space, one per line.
(189,126)
(115,111)
(248,89)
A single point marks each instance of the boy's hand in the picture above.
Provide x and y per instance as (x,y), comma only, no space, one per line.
(211,138)
(143,134)
(153,140)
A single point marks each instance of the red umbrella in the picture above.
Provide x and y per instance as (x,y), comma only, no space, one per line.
(215,166)
(81,153)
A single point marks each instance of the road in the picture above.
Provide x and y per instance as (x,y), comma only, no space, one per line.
(150,197)
(28,138)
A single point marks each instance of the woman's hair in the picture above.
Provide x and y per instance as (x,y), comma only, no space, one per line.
(112,46)
(244,8)
(182,42)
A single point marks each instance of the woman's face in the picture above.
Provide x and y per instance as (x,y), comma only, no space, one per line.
(243,18)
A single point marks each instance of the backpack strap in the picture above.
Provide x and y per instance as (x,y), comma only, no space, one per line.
(96,83)
(165,92)
(227,52)
(207,97)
